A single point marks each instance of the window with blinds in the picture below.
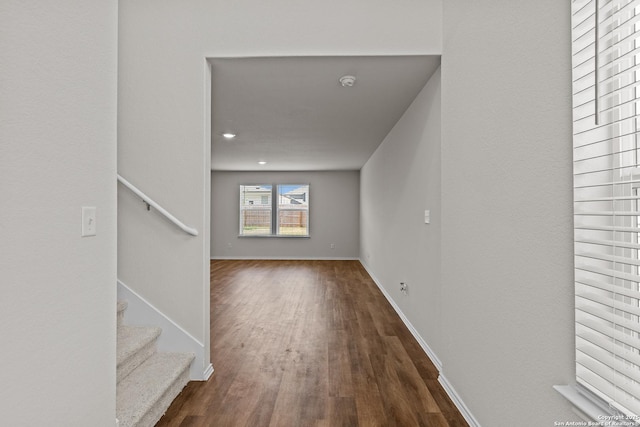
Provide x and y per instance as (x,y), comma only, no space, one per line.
(606,105)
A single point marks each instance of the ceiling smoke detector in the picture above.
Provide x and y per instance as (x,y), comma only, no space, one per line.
(347,81)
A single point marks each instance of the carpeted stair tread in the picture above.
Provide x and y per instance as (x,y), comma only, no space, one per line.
(134,345)
(144,395)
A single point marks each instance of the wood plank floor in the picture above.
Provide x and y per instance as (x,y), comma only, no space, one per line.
(309,343)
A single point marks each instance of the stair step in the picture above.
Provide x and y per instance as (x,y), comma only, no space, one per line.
(144,395)
(135,344)
(122,306)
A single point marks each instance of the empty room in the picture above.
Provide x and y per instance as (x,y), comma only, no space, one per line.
(301,334)
(227,213)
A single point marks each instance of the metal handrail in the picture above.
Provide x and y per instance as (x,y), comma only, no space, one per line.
(151,203)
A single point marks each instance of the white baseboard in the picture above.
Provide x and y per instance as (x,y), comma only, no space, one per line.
(285,258)
(208,372)
(455,398)
(425,347)
(173,338)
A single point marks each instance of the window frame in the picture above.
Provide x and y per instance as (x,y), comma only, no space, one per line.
(275,209)
(241,211)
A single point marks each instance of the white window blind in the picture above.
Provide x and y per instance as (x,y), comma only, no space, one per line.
(606,107)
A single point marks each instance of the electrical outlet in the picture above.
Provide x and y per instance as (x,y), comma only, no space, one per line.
(332,246)
(404,288)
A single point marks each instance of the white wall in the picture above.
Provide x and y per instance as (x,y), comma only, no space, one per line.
(57,154)
(333,216)
(507,276)
(398,183)
(163,114)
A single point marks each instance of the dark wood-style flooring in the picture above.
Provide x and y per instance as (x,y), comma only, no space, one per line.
(309,343)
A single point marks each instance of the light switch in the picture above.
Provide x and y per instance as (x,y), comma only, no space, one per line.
(88,221)
(427,216)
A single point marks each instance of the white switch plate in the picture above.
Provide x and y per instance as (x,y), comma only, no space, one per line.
(88,221)
(427,217)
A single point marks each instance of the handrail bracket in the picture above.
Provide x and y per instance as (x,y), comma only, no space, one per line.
(151,203)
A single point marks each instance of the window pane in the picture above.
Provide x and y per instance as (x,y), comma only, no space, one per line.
(293,210)
(255,210)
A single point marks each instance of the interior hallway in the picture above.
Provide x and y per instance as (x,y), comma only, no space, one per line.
(309,343)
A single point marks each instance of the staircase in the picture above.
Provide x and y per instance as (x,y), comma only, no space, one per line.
(147,380)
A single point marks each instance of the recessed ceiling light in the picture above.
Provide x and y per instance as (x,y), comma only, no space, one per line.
(262,162)
(229,135)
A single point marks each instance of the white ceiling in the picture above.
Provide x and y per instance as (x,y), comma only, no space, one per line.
(293,113)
